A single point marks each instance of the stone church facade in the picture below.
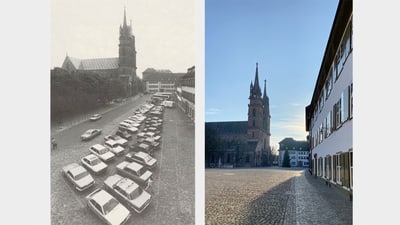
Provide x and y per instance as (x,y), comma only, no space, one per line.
(122,67)
(244,143)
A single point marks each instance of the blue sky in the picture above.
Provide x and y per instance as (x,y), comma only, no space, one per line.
(286,38)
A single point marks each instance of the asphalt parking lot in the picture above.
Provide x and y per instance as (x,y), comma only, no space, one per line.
(174,179)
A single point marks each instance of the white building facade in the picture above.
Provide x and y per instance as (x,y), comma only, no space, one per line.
(329,117)
(298,152)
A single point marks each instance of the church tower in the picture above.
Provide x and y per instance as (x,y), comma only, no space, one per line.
(258,131)
(127,52)
(255,112)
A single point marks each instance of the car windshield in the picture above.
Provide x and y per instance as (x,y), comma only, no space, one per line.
(102,151)
(110,205)
(95,161)
(136,193)
(81,175)
(88,132)
(147,158)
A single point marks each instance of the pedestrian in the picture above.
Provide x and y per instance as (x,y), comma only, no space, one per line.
(149,187)
(53,143)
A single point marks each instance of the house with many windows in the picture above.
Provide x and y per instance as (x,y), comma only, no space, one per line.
(160,80)
(185,93)
(329,117)
(298,152)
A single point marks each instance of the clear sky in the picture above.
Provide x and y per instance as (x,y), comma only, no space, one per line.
(287,38)
(164,31)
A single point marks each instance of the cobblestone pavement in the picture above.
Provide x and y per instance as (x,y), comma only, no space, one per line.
(272,196)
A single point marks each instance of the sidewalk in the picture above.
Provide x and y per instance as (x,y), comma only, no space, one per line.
(317,203)
(67,123)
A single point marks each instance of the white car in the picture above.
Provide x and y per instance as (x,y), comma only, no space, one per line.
(142,158)
(132,123)
(105,206)
(95,117)
(128,192)
(94,164)
(114,147)
(121,141)
(127,127)
(102,152)
(135,171)
(78,176)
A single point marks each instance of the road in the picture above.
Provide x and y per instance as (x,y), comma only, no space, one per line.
(173,187)
(272,196)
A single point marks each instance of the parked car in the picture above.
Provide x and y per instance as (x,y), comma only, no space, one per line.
(89,134)
(132,123)
(143,147)
(141,135)
(107,208)
(150,141)
(78,176)
(94,164)
(95,117)
(124,134)
(119,140)
(114,147)
(135,171)
(128,192)
(102,152)
(127,127)
(142,158)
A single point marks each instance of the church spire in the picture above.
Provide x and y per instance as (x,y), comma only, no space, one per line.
(257,90)
(124,17)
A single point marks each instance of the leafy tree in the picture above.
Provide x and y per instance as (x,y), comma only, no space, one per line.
(286,159)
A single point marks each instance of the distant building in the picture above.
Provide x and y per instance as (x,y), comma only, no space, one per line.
(160,80)
(329,117)
(244,143)
(298,152)
(121,67)
(186,93)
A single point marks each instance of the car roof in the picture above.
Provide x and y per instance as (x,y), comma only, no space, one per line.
(141,154)
(77,170)
(102,197)
(111,142)
(134,166)
(98,146)
(91,157)
(127,185)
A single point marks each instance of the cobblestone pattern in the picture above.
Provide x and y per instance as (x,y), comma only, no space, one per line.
(248,196)
(272,196)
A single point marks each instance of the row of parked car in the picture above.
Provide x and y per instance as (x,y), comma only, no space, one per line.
(126,189)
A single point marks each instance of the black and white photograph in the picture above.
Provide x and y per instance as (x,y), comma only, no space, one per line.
(122,112)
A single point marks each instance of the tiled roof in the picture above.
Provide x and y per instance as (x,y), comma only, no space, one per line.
(290,143)
(93,64)
(99,64)
(234,127)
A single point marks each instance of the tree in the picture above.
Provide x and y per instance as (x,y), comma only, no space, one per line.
(213,142)
(286,159)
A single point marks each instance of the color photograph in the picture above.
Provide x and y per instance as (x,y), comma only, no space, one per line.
(278,112)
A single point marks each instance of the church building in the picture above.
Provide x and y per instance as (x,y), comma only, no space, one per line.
(244,143)
(122,67)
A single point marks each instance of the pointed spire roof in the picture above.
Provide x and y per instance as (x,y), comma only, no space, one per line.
(125,25)
(265,89)
(257,89)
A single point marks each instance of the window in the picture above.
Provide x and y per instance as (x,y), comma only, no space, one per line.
(336,110)
(344,106)
(351,100)
(328,84)
(328,127)
(351,168)
(254,112)
(254,122)
(339,168)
